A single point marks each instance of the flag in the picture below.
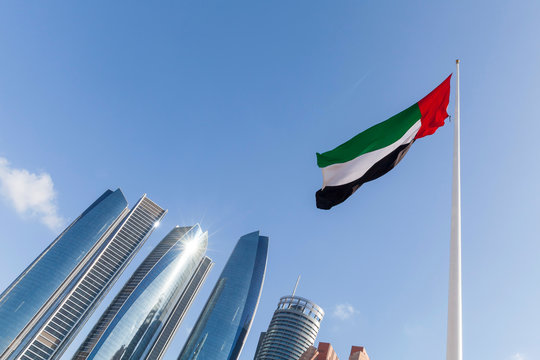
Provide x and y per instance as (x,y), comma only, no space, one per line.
(380,148)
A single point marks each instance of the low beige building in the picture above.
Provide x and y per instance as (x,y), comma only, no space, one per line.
(325,351)
(310,354)
(358,353)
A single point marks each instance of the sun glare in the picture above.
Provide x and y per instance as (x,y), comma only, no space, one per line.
(192,244)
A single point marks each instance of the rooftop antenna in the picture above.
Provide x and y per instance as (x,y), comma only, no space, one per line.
(295,286)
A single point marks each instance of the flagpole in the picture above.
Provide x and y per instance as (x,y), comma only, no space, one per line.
(454,346)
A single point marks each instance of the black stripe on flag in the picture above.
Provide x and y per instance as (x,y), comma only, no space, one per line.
(333,195)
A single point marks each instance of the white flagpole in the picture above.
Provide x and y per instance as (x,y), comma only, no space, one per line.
(454,346)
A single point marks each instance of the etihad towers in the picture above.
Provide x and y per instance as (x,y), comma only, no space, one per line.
(224,323)
(44,308)
(143,317)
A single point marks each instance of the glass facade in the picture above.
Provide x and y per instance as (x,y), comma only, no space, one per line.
(28,298)
(224,323)
(182,305)
(57,330)
(130,326)
(292,331)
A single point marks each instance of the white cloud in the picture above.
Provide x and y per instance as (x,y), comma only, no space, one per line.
(517,356)
(30,194)
(344,311)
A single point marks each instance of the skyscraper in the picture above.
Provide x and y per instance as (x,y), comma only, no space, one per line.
(223,325)
(171,324)
(259,344)
(140,321)
(62,321)
(292,330)
(31,296)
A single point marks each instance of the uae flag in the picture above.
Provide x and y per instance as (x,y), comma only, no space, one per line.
(377,150)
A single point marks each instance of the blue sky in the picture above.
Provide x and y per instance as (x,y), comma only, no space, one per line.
(216,110)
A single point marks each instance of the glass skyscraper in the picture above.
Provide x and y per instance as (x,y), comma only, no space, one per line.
(171,324)
(224,323)
(292,330)
(143,317)
(43,282)
(62,318)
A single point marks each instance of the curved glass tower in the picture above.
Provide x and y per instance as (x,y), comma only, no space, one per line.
(37,289)
(134,322)
(292,331)
(222,328)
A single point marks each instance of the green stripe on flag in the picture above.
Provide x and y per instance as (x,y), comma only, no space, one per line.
(374,138)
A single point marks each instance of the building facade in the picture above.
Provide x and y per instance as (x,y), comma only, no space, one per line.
(325,351)
(259,343)
(310,354)
(292,330)
(55,331)
(224,323)
(144,315)
(171,324)
(358,353)
(33,294)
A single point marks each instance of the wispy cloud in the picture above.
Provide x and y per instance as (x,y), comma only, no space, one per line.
(517,356)
(30,194)
(344,311)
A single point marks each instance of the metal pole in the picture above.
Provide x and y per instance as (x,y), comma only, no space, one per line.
(454,340)
(295,286)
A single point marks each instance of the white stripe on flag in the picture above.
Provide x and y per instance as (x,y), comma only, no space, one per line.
(344,173)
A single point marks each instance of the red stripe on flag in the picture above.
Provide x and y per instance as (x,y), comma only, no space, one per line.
(433,109)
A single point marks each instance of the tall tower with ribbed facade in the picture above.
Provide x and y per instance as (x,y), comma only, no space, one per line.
(293,329)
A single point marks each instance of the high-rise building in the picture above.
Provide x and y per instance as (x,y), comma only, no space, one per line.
(143,317)
(223,325)
(325,351)
(292,330)
(171,324)
(259,344)
(55,330)
(32,295)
